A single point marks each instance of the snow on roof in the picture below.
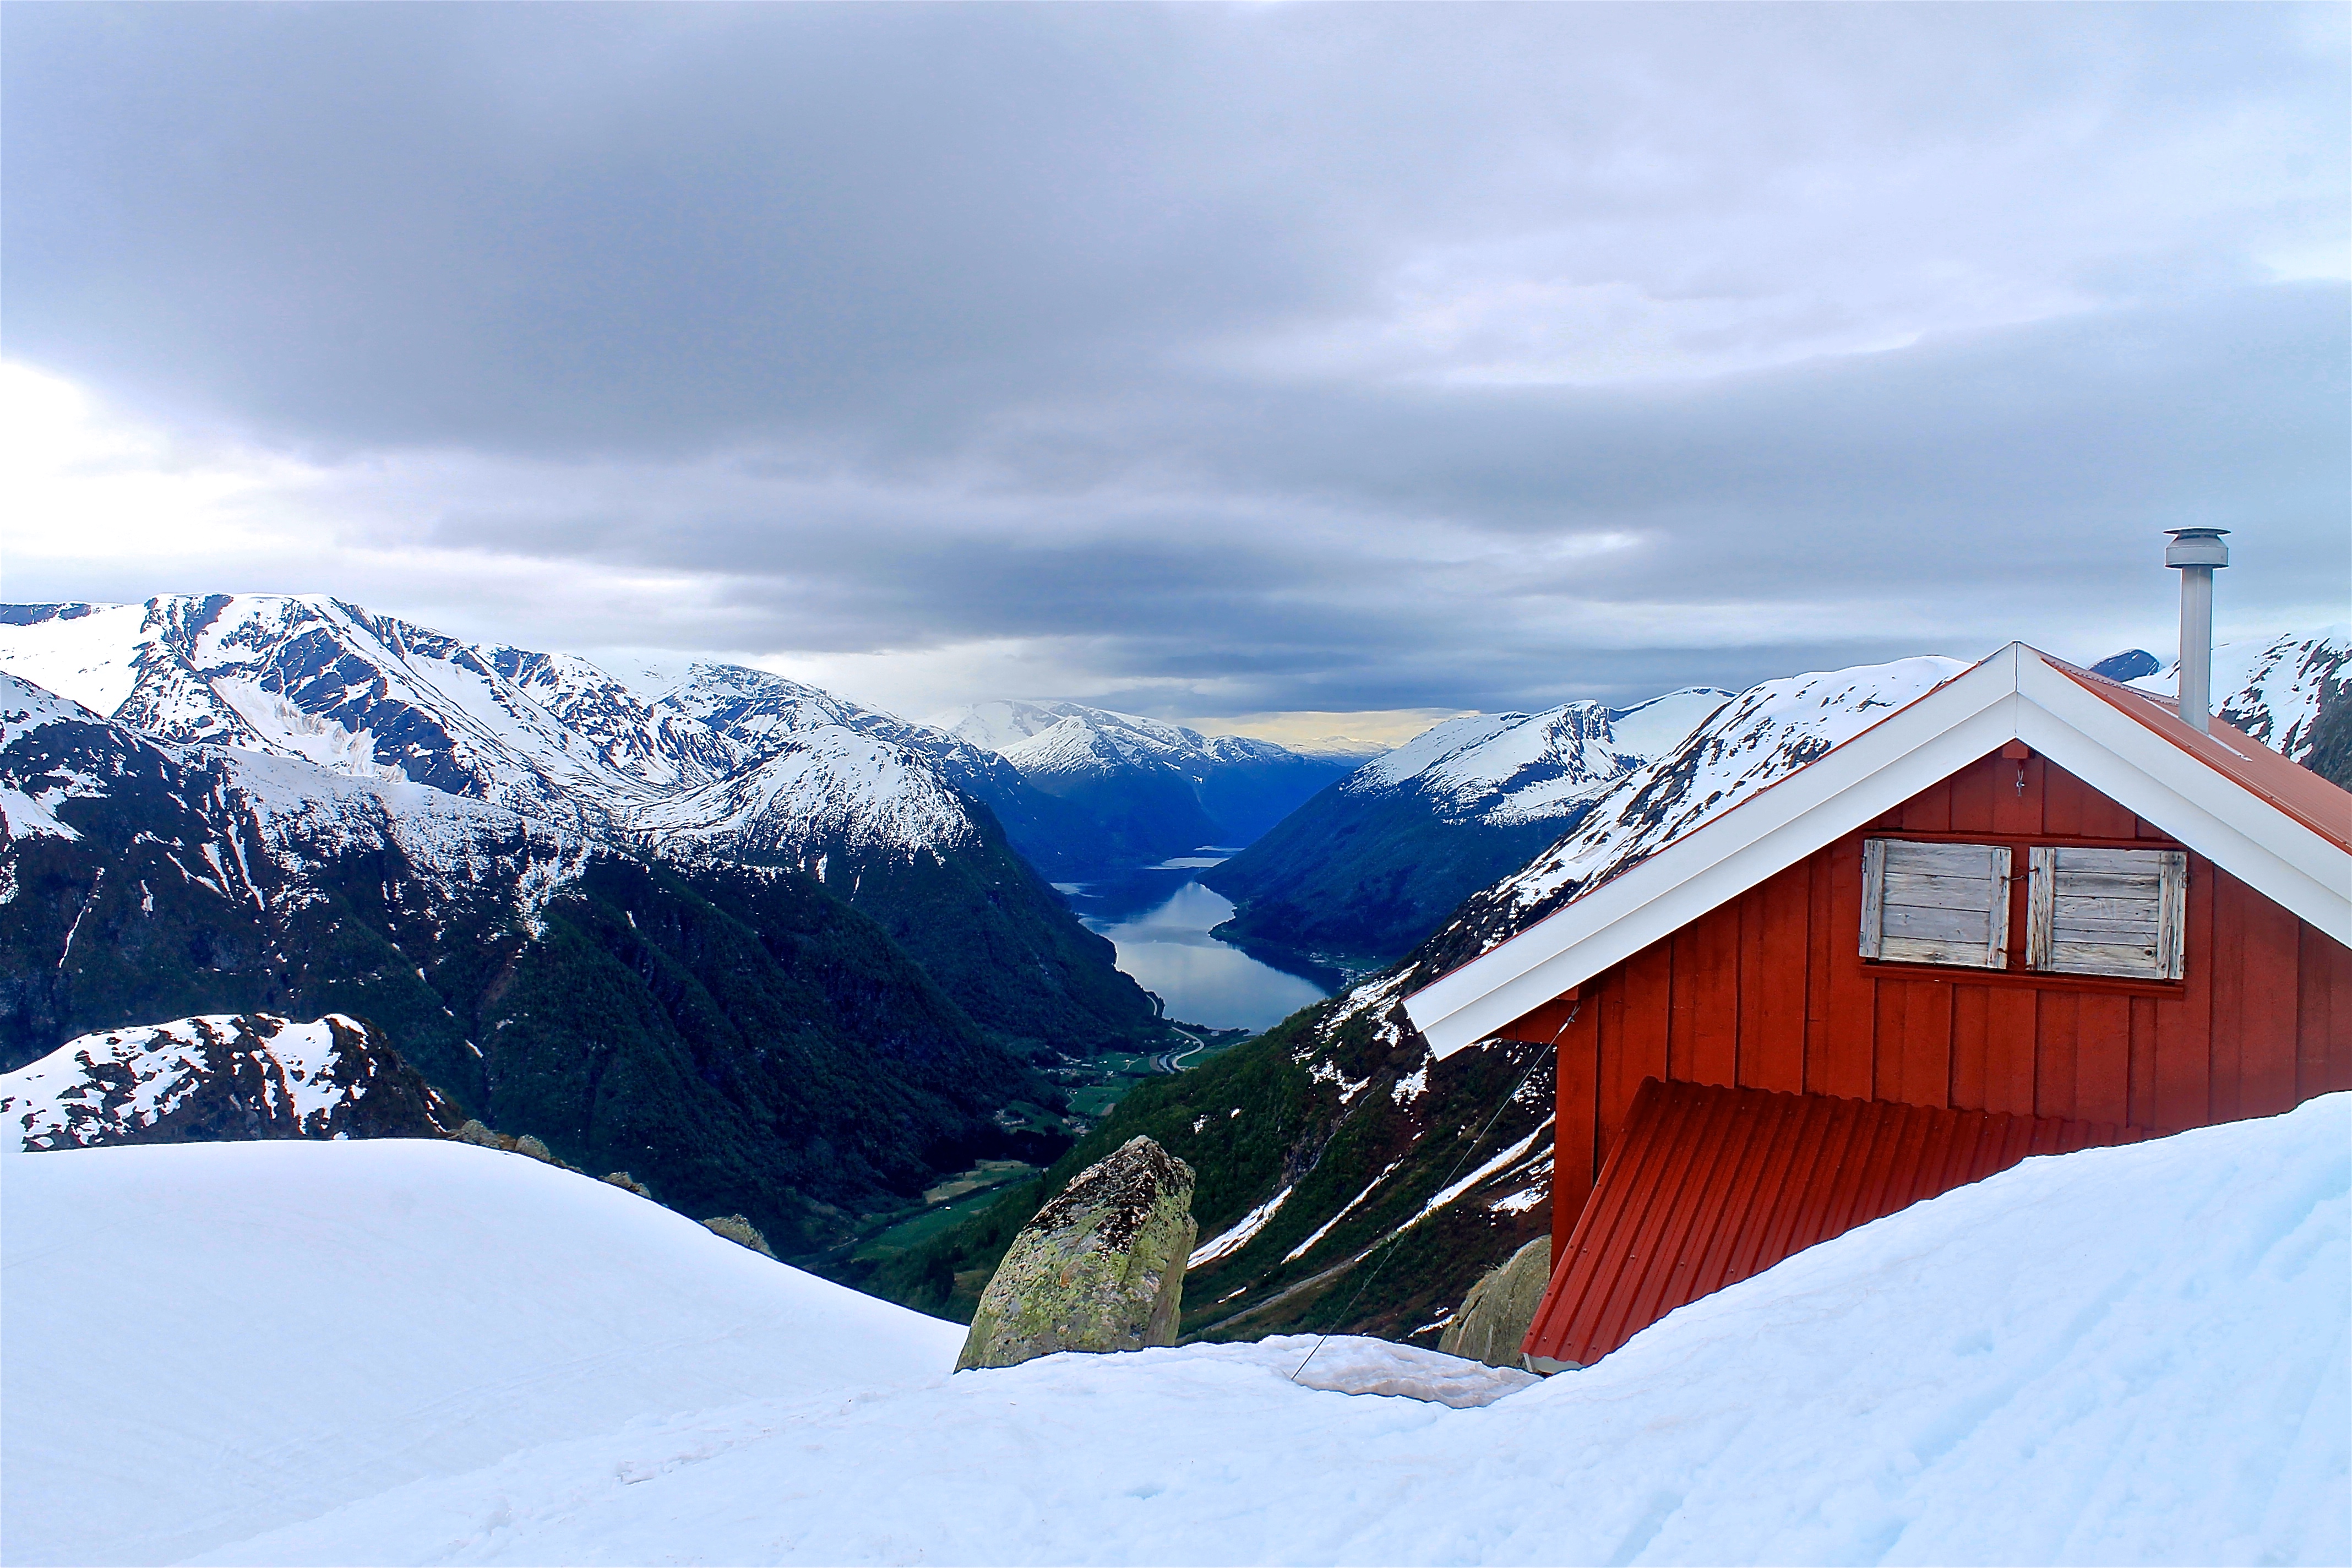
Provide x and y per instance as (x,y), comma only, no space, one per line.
(2273,826)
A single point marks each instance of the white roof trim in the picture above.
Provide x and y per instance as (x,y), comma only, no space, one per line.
(2013,695)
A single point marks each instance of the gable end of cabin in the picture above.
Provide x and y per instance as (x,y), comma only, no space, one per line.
(2058,959)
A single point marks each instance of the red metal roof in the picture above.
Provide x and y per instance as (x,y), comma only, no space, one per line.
(1709,1185)
(2293,788)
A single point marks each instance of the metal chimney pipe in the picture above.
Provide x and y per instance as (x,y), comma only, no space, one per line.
(2194,552)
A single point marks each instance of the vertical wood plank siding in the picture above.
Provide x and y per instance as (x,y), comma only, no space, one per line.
(1768,991)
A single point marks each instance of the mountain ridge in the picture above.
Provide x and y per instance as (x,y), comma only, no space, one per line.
(729,764)
(226,1077)
(733,1034)
(1372,863)
(1158,789)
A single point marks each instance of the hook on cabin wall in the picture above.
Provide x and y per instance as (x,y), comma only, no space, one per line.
(2018,752)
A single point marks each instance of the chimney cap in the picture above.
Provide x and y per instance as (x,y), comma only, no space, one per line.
(2197,547)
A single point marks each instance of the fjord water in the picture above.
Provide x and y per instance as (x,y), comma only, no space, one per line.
(1160,919)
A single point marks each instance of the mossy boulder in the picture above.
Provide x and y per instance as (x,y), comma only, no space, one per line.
(1100,1269)
(1493,1320)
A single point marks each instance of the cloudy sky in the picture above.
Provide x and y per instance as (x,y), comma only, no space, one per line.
(1209,361)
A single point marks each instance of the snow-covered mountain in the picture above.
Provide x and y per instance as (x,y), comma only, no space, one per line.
(328,683)
(734,1034)
(1157,788)
(709,763)
(1363,871)
(236,1076)
(1766,733)
(2127,1355)
(2293,692)
(1508,768)
(550,735)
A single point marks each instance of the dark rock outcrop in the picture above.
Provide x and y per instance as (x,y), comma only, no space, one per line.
(739,1230)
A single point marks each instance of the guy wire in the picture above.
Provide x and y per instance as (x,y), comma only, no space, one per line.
(1573,1008)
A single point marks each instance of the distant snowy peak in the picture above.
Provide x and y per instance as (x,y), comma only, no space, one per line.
(25,707)
(626,734)
(830,788)
(1747,743)
(84,653)
(29,796)
(253,828)
(321,681)
(2276,686)
(225,1076)
(1525,767)
(999,725)
(553,736)
(753,705)
(1060,740)
(1341,748)
(1083,746)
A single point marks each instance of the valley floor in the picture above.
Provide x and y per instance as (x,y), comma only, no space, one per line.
(427,1353)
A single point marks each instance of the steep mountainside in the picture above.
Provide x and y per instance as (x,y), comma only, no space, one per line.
(1155,789)
(1374,863)
(755,713)
(734,1035)
(239,1075)
(718,763)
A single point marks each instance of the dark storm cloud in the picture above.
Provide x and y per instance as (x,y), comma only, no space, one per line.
(1486,549)
(1328,357)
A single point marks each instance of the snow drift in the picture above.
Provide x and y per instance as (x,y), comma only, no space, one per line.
(206,1341)
(427,1353)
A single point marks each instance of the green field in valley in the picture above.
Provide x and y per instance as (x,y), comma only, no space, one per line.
(1094,1084)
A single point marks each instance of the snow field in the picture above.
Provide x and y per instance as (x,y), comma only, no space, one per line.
(2124,1355)
(200,1342)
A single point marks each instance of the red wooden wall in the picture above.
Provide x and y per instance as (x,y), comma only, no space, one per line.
(1768,991)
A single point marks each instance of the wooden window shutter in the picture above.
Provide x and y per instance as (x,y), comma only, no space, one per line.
(1934,903)
(2107,911)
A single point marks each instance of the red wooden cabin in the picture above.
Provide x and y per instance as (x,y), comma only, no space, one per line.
(2031,911)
